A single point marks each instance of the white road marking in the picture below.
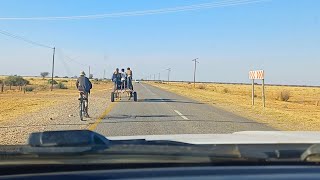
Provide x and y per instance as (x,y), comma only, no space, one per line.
(181,115)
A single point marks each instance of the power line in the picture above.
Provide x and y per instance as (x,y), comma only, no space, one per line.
(24,39)
(222,3)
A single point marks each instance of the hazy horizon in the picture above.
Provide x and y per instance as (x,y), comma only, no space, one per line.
(279,36)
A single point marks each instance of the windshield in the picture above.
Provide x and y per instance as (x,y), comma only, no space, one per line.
(194,72)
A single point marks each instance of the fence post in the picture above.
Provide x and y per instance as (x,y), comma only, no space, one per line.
(2,87)
(263,95)
(252,92)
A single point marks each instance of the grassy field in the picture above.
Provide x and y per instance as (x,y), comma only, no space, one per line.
(300,113)
(15,103)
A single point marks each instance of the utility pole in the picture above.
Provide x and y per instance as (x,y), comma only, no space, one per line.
(104,74)
(89,72)
(195,70)
(154,77)
(169,70)
(54,52)
(159,76)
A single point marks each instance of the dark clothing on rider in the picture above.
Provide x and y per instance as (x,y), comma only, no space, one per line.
(84,84)
(116,78)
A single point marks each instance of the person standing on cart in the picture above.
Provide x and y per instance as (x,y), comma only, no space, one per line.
(123,79)
(129,78)
(116,79)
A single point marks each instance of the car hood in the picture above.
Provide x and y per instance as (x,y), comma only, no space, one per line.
(243,137)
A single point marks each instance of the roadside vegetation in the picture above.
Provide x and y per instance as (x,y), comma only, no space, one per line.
(22,95)
(287,108)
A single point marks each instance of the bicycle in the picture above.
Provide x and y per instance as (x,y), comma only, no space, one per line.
(83,103)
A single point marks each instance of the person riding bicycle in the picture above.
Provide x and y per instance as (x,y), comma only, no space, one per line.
(116,78)
(84,86)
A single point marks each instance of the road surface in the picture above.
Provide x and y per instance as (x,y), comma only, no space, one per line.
(159,112)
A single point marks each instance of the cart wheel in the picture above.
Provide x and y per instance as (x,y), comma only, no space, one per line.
(135,96)
(112,97)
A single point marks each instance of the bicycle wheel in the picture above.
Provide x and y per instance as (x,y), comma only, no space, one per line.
(81,109)
(85,112)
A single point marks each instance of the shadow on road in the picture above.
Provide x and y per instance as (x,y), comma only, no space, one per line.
(167,100)
(134,119)
(139,116)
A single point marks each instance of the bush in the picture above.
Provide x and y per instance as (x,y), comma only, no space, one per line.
(54,81)
(15,81)
(201,86)
(29,89)
(64,81)
(61,86)
(225,90)
(284,96)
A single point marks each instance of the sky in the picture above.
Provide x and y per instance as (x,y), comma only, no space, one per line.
(281,37)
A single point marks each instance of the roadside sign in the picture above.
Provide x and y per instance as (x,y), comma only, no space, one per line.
(256,74)
(253,75)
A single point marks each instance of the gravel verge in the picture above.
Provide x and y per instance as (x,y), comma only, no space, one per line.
(63,116)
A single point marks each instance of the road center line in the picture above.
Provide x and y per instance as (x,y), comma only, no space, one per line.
(181,115)
(93,126)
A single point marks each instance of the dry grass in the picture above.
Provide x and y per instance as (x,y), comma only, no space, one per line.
(16,103)
(301,111)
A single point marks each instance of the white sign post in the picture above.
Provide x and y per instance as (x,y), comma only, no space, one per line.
(253,75)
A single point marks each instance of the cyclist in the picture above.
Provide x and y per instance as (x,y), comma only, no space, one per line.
(84,86)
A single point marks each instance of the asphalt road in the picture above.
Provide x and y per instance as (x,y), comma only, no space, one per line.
(159,112)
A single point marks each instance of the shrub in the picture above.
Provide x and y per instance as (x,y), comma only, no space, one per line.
(61,86)
(64,81)
(54,81)
(284,96)
(15,81)
(201,86)
(29,88)
(226,90)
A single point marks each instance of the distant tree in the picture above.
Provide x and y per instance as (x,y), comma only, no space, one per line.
(15,81)
(56,76)
(44,74)
(90,76)
(65,77)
